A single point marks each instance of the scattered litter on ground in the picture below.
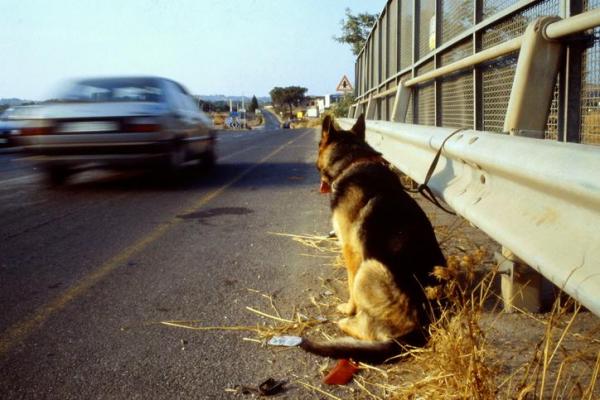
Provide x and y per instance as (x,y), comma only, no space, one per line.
(342,373)
(270,387)
(286,341)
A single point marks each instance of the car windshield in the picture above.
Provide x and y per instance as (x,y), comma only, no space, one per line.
(116,89)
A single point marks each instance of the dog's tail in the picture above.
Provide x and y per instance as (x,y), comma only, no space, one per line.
(365,350)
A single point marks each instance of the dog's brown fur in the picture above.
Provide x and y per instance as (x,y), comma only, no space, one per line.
(388,247)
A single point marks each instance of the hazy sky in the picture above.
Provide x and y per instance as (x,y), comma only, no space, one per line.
(212,47)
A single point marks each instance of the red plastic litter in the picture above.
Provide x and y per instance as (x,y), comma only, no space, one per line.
(341,374)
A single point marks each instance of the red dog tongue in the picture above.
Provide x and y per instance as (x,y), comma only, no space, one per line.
(325,187)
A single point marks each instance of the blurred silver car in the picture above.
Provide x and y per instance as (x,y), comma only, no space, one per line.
(118,123)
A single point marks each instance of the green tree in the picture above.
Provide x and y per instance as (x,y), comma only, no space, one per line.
(288,96)
(356,29)
(253,105)
(340,109)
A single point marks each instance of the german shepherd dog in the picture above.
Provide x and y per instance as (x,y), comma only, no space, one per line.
(388,246)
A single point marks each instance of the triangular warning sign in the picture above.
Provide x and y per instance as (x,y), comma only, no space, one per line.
(344,85)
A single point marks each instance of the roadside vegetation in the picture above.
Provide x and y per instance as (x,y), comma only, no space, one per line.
(340,109)
(356,29)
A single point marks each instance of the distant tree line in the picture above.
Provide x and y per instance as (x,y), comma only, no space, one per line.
(289,96)
(214,106)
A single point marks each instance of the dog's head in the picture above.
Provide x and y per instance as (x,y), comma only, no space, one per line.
(335,145)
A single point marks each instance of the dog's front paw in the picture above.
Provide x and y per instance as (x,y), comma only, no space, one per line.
(347,308)
(343,323)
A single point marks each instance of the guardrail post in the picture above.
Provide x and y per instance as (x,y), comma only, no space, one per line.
(370,111)
(521,285)
(527,114)
(571,82)
(401,101)
(357,110)
(533,86)
(351,111)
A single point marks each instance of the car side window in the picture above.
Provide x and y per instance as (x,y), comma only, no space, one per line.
(174,96)
(182,100)
(190,103)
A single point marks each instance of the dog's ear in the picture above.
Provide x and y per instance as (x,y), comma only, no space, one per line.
(359,127)
(328,129)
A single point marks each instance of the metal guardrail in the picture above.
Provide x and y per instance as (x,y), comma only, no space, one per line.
(539,198)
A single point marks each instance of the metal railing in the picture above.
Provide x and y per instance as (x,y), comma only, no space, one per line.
(459,57)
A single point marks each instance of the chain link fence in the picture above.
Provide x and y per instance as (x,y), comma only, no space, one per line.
(416,36)
(590,86)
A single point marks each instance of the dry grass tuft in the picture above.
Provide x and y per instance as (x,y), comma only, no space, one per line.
(455,362)
(555,369)
(322,247)
(321,244)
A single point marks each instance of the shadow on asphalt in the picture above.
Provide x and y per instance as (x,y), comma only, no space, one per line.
(261,176)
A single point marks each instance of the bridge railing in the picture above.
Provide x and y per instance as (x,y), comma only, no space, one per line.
(415,37)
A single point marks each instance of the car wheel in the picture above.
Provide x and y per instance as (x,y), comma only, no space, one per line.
(57,175)
(208,159)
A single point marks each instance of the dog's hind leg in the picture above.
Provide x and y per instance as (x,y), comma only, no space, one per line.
(388,310)
(352,260)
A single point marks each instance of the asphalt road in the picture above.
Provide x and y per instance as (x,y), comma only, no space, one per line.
(89,270)
(271,121)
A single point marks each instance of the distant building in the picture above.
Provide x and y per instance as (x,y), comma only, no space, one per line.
(316,105)
(331,99)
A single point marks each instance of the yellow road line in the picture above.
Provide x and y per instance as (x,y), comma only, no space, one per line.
(18,332)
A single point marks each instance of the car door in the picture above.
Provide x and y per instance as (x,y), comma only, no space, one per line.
(178,124)
(198,125)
